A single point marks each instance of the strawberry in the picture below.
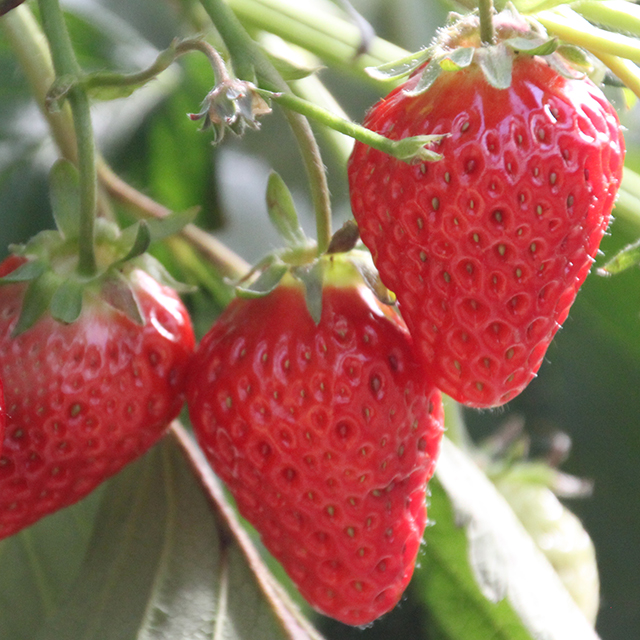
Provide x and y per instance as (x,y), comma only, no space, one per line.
(84,399)
(325,434)
(487,247)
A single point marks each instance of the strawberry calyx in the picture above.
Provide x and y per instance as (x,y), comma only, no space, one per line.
(459,45)
(48,263)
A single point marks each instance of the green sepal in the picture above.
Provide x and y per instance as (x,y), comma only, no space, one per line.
(25,272)
(36,301)
(268,280)
(459,58)
(118,293)
(427,78)
(533,46)
(345,238)
(66,303)
(496,63)
(312,277)
(137,239)
(64,195)
(576,56)
(153,267)
(414,149)
(400,67)
(282,211)
(623,260)
(161,228)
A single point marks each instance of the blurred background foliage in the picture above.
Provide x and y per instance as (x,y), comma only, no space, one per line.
(587,387)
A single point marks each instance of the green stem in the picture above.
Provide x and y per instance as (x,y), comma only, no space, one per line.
(30,48)
(487,32)
(572,28)
(65,64)
(408,149)
(332,38)
(247,57)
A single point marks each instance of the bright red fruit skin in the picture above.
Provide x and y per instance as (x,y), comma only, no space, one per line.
(487,248)
(85,399)
(326,436)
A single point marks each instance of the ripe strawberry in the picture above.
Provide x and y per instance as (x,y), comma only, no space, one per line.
(86,398)
(326,435)
(487,247)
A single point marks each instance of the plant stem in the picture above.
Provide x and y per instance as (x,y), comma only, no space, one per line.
(487,32)
(30,47)
(65,64)
(247,57)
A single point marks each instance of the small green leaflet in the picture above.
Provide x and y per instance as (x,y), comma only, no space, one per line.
(312,277)
(268,280)
(36,301)
(457,59)
(25,272)
(533,46)
(427,78)
(496,63)
(66,304)
(399,68)
(624,259)
(161,228)
(64,194)
(282,211)
(117,292)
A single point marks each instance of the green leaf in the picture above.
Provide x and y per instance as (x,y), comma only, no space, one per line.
(36,301)
(25,272)
(399,68)
(458,59)
(268,280)
(489,580)
(496,63)
(312,276)
(628,257)
(64,194)
(414,149)
(163,564)
(533,46)
(118,292)
(39,564)
(135,240)
(576,56)
(282,211)
(427,78)
(161,228)
(66,304)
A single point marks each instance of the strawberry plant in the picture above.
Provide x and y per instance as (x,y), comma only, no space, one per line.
(272,476)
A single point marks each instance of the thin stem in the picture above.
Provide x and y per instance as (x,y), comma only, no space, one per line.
(247,57)
(65,64)
(395,148)
(228,263)
(485,11)
(627,71)
(30,48)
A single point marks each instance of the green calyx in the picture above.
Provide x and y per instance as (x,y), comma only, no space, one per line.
(459,45)
(54,283)
(299,264)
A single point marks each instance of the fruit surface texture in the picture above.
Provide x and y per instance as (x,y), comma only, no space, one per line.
(84,399)
(326,436)
(487,247)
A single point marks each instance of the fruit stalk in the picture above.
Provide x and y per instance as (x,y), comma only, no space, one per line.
(248,58)
(487,32)
(66,64)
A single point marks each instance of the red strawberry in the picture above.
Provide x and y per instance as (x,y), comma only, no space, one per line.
(326,435)
(487,248)
(86,398)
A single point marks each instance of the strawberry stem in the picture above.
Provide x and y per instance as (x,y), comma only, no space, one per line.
(66,64)
(487,31)
(248,61)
